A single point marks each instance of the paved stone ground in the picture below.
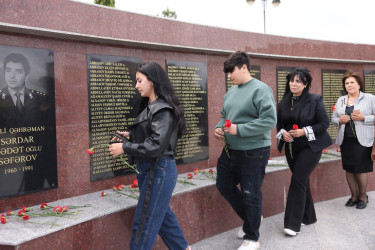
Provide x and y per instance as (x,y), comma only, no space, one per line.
(338,228)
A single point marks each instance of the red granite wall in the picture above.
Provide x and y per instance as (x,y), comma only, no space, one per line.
(73,30)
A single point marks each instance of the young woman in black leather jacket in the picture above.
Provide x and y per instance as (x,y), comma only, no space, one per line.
(152,144)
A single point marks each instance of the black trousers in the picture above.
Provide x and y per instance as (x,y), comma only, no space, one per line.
(300,205)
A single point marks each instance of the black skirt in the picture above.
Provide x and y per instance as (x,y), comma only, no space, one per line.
(355,157)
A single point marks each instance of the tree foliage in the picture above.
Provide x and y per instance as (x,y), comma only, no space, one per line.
(170,14)
(109,3)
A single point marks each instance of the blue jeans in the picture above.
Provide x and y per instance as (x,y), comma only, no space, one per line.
(246,168)
(159,218)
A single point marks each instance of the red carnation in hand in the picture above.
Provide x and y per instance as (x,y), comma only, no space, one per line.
(135,183)
(190,176)
(227,123)
(295,126)
(90,151)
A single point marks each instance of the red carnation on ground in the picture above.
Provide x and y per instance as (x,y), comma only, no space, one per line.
(211,171)
(295,126)
(21,212)
(10,213)
(65,209)
(190,176)
(135,183)
(43,206)
(227,123)
(104,194)
(338,150)
(325,151)
(3,220)
(58,209)
(25,217)
(196,171)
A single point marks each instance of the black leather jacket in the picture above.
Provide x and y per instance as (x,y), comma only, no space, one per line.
(153,133)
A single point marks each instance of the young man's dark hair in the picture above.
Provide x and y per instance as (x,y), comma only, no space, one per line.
(237,59)
(18,58)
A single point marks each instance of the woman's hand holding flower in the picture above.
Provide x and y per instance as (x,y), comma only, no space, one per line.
(287,137)
(297,132)
(357,116)
(344,119)
(115,149)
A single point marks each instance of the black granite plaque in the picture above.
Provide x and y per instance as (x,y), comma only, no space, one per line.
(113,103)
(369,81)
(27,122)
(254,72)
(281,73)
(331,91)
(189,80)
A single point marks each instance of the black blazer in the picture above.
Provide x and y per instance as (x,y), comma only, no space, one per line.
(312,114)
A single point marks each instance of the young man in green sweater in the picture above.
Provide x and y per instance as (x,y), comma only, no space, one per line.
(250,107)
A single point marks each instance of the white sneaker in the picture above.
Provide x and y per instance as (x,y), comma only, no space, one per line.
(290,232)
(249,245)
(241,233)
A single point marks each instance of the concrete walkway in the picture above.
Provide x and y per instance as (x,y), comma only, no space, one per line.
(338,227)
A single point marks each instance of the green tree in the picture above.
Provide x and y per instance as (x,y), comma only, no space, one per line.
(109,3)
(168,13)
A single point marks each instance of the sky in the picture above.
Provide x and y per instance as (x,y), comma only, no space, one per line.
(350,21)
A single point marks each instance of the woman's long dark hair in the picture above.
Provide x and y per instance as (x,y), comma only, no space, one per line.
(285,103)
(164,90)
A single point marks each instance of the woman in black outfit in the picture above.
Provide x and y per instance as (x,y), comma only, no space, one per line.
(303,146)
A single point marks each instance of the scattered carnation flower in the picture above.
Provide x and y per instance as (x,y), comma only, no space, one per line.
(211,171)
(270,158)
(227,123)
(135,183)
(10,213)
(325,151)
(58,209)
(2,216)
(295,126)
(104,194)
(25,217)
(21,213)
(65,209)
(3,220)
(114,188)
(338,150)
(196,170)
(43,206)
(190,176)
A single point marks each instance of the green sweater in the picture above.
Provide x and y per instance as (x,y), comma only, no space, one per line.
(252,108)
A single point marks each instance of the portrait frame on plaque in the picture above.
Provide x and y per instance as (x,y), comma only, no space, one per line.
(28,158)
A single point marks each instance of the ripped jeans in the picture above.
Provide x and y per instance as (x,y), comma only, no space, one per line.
(246,168)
